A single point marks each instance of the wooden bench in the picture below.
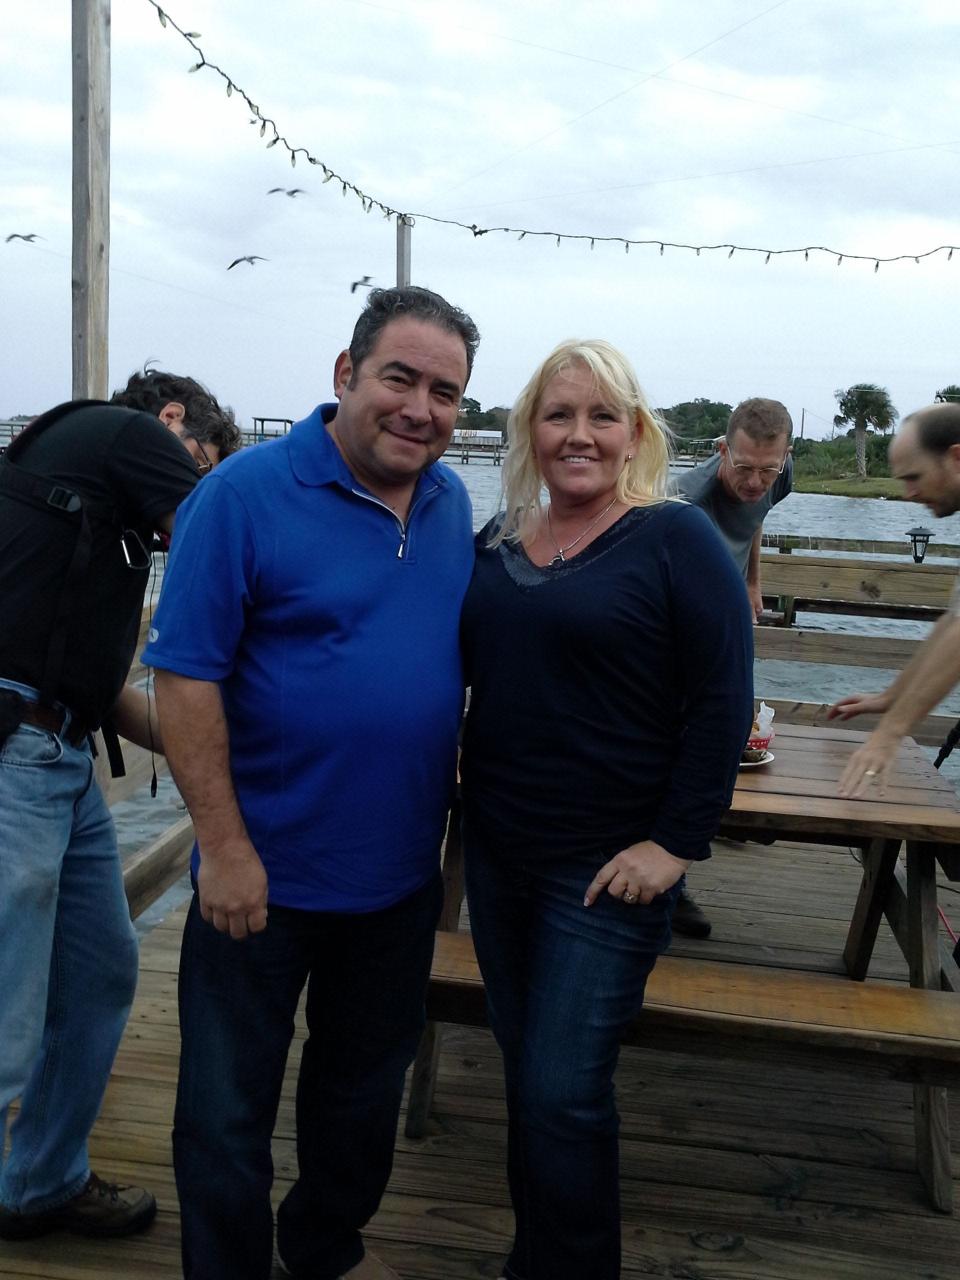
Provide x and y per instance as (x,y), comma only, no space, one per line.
(752,1012)
(846,584)
(732,1010)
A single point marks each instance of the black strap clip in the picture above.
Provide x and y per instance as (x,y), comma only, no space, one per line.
(64,499)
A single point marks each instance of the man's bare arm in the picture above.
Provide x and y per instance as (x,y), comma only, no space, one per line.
(928,679)
(933,672)
(855,704)
(135,718)
(232,883)
(754,589)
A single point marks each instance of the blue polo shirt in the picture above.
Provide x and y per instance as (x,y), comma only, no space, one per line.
(333,635)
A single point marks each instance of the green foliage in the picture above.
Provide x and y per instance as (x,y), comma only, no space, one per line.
(837,459)
(700,419)
(866,407)
(950,394)
(473,418)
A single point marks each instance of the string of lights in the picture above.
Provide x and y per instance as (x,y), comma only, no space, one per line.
(270,130)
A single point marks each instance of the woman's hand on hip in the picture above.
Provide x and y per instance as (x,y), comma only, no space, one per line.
(637,874)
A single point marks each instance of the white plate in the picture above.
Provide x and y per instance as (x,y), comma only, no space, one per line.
(755,764)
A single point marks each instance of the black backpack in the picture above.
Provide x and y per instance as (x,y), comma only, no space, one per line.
(61,503)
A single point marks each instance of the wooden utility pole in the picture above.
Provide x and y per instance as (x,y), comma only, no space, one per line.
(404,227)
(91,197)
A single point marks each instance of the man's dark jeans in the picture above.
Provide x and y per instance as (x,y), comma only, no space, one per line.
(365,1013)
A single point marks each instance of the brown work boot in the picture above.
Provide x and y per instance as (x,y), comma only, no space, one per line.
(101,1209)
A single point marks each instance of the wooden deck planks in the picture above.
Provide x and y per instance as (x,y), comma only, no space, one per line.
(726,1176)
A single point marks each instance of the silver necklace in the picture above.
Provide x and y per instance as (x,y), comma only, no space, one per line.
(560,557)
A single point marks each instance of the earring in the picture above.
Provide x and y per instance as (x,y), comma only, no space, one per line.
(629,457)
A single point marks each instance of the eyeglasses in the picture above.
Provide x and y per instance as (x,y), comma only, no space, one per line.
(206,465)
(765,473)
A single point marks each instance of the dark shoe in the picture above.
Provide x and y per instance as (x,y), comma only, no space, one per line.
(368,1268)
(101,1209)
(688,919)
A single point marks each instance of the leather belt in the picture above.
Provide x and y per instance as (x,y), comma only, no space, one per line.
(52,719)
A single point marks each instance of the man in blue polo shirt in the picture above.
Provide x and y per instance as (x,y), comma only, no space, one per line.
(309,690)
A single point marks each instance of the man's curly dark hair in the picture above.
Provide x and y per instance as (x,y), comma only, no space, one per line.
(204,418)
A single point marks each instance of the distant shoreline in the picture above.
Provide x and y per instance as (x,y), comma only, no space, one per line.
(850,487)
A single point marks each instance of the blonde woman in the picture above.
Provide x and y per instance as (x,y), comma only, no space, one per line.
(608,642)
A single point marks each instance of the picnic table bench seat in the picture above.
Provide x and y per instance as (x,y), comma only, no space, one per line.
(741,1010)
(724,1009)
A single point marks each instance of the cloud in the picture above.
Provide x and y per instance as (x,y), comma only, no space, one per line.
(816,123)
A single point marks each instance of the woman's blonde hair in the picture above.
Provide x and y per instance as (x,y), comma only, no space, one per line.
(644,477)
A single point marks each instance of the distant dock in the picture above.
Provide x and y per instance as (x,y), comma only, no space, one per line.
(476,446)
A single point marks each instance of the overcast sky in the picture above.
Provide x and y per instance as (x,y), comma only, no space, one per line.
(775,125)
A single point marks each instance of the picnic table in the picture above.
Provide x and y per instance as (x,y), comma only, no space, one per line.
(716,1007)
(795,797)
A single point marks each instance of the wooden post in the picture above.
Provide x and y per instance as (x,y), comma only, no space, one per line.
(931,1116)
(91,196)
(404,225)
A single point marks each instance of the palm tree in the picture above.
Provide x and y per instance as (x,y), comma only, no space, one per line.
(866,407)
(949,394)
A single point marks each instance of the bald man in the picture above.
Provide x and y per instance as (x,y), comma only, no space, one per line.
(925,457)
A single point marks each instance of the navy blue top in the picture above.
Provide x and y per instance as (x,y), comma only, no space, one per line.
(334,642)
(611,695)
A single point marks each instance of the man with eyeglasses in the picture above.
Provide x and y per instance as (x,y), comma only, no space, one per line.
(83,490)
(749,474)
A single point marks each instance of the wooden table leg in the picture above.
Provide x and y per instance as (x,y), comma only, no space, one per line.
(423,1081)
(930,1114)
(879,865)
(424,1077)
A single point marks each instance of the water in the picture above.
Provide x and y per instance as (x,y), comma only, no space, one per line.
(142,818)
(803,514)
(800,513)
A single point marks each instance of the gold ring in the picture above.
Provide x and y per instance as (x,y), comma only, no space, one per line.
(629,897)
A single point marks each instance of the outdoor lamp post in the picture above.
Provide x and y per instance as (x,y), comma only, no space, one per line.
(919,540)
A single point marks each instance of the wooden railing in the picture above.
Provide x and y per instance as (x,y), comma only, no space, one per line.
(844,584)
(789,542)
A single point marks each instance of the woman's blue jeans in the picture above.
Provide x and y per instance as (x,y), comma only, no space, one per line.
(366,976)
(562,982)
(68,963)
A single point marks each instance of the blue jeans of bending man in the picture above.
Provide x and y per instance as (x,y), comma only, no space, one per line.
(562,981)
(366,976)
(68,962)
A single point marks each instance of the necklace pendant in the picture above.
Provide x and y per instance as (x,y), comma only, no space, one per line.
(559,558)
